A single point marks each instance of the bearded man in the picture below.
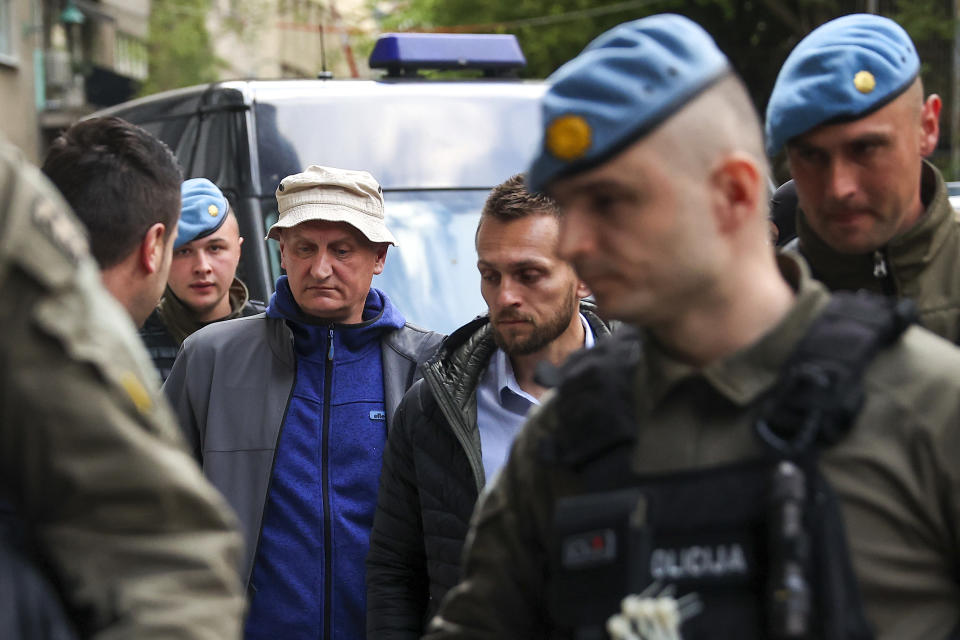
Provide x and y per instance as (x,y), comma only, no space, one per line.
(454,428)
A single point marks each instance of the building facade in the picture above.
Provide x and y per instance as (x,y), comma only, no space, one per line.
(95,55)
(62,59)
(20,77)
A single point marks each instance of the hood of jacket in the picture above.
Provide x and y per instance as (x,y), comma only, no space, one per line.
(379,315)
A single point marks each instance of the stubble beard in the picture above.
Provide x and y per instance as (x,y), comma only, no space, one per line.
(542,334)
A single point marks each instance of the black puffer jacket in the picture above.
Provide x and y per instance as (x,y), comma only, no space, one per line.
(432,475)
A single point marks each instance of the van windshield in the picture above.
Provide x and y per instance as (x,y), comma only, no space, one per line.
(408,135)
(431,276)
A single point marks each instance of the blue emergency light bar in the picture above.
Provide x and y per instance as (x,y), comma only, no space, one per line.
(405,53)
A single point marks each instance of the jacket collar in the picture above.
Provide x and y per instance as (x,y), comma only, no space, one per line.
(453,374)
(377,309)
(464,354)
(180,319)
(906,255)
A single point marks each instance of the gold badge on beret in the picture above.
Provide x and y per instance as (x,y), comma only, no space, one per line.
(864,82)
(213,210)
(568,137)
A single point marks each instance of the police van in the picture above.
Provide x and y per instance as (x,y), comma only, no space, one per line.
(435,146)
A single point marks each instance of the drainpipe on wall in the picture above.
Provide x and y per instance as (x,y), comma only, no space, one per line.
(39,72)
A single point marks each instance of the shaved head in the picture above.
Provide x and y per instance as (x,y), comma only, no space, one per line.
(720,121)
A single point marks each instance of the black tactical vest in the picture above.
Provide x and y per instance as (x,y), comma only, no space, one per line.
(758,546)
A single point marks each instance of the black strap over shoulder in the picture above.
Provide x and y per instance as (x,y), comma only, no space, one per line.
(820,388)
(815,399)
(596,401)
(724,532)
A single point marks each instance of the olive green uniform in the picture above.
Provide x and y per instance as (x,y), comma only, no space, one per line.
(896,475)
(138,543)
(920,264)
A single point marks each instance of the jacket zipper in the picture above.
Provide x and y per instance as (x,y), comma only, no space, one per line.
(882,272)
(273,463)
(325,465)
(460,428)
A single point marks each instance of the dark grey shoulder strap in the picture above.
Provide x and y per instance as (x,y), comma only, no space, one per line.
(820,388)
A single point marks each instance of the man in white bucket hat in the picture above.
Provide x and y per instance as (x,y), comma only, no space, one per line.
(287,411)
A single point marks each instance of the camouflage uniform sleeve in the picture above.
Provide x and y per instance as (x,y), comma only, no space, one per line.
(502,592)
(139,544)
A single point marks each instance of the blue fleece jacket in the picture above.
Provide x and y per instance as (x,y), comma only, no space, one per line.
(308,573)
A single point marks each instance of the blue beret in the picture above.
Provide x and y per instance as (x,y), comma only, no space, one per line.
(842,70)
(202,212)
(622,86)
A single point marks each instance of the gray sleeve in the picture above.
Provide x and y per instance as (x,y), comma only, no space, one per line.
(189,402)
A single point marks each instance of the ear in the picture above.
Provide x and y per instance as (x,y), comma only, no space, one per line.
(736,191)
(774,232)
(583,291)
(930,124)
(381,258)
(152,246)
(283,264)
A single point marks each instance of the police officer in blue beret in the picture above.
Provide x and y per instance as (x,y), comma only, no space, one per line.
(760,458)
(848,107)
(202,286)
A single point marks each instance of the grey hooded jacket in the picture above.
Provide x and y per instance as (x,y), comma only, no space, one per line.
(230,387)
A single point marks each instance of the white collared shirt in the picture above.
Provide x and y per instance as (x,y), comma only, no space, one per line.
(502,406)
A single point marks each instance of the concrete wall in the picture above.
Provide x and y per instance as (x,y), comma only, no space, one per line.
(18,112)
(245,38)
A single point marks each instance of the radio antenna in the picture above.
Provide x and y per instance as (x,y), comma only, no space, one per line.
(323,49)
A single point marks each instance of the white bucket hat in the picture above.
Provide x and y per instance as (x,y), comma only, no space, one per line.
(335,195)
